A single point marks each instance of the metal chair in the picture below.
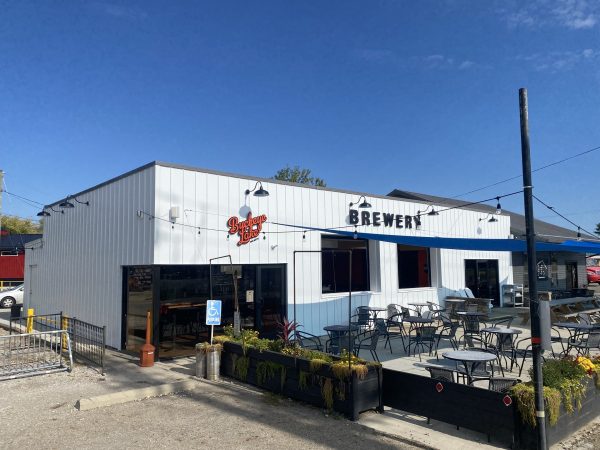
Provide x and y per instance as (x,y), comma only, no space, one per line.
(447,332)
(502,384)
(471,327)
(395,328)
(361,317)
(440,373)
(522,349)
(368,341)
(308,341)
(586,343)
(425,337)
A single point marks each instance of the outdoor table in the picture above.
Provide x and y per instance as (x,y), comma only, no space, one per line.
(471,313)
(376,310)
(454,304)
(416,323)
(502,336)
(470,359)
(419,307)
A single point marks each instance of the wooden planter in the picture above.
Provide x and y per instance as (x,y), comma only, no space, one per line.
(294,379)
(526,436)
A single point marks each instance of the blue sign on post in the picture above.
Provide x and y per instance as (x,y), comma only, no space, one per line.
(213,312)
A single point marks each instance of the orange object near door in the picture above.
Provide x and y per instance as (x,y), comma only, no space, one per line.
(147,350)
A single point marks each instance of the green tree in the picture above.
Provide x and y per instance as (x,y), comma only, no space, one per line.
(298,175)
(19,225)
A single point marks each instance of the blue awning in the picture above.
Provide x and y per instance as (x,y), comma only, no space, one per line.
(499,245)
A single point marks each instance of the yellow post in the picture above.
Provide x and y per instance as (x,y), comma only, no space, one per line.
(64,326)
(30,314)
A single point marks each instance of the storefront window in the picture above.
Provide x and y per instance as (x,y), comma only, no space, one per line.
(413,267)
(335,264)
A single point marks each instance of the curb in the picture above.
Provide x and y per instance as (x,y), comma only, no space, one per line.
(116,398)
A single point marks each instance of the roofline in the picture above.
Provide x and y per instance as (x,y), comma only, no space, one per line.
(232,175)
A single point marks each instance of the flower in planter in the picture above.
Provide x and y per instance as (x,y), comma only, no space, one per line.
(586,364)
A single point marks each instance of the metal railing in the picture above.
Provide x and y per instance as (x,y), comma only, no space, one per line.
(24,355)
(88,341)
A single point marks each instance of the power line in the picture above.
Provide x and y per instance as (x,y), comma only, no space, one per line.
(32,203)
(534,170)
(551,208)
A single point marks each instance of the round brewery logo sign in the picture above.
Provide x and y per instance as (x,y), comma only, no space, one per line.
(248,229)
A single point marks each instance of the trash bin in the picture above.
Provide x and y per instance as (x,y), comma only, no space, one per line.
(15,311)
(213,363)
(200,361)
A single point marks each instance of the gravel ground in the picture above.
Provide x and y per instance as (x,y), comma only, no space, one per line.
(587,438)
(40,412)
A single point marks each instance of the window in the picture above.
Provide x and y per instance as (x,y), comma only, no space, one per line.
(413,267)
(335,265)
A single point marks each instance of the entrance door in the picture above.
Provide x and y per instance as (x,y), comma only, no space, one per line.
(269,299)
(138,303)
(571,280)
(481,276)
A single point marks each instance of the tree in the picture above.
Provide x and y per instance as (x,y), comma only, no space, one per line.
(597,230)
(298,175)
(19,225)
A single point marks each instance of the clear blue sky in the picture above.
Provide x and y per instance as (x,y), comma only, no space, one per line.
(371,96)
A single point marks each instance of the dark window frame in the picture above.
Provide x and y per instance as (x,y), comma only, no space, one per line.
(361,283)
(405,282)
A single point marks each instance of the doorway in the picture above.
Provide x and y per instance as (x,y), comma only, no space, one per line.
(269,299)
(138,301)
(481,277)
(571,275)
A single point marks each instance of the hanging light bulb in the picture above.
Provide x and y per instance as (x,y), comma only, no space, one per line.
(264,236)
(355,233)
(498,207)
(304,235)
(578,233)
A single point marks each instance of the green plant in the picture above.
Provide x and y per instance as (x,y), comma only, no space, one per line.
(525,400)
(206,347)
(316,364)
(228,330)
(340,390)
(303,380)
(240,367)
(265,370)
(222,339)
(327,393)
(276,346)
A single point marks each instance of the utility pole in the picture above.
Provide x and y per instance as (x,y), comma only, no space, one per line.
(534,304)
(1,190)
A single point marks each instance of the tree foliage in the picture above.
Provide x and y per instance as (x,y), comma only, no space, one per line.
(298,175)
(19,225)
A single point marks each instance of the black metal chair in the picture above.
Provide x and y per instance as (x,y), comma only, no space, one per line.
(555,336)
(522,349)
(395,328)
(588,341)
(447,332)
(367,341)
(440,373)
(361,318)
(471,328)
(308,341)
(502,384)
(425,337)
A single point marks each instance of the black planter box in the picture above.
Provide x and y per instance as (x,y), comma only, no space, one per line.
(350,397)
(526,436)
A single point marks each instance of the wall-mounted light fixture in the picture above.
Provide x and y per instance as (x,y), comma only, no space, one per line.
(260,192)
(364,204)
(433,212)
(44,213)
(490,218)
(67,204)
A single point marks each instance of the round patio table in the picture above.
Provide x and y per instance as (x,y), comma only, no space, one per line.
(336,332)
(419,307)
(416,323)
(505,340)
(470,360)
(471,313)
(340,328)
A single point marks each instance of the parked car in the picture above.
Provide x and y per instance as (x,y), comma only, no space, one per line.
(593,274)
(11,297)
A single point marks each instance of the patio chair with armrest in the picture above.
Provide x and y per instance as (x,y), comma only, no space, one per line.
(471,327)
(308,341)
(502,384)
(555,336)
(440,374)
(447,332)
(425,338)
(367,341)
(585,343)
(361,318)
(395,328)
(522,349)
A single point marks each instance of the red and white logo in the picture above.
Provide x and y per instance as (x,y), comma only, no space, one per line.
(248,229)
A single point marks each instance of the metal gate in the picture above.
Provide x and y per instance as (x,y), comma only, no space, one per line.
(28,354)
(88,341)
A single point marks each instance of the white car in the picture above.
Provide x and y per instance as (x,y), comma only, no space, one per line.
(11,297)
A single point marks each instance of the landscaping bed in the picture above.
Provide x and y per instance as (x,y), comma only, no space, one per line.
(346,384)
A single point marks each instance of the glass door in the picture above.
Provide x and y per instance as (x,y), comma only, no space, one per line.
(269,299)
(481,276)
(138,303)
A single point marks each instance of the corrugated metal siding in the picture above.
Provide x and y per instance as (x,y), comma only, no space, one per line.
(208,200)
(78,269)
(520,270)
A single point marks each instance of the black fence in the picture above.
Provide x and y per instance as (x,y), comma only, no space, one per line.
(88,341)
(465,406)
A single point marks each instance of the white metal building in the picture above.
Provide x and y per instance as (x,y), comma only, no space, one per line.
(146,238)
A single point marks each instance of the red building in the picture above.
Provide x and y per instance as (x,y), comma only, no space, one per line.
(12,258)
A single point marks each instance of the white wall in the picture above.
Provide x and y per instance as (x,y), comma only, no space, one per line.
(208,200)
(78,268)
